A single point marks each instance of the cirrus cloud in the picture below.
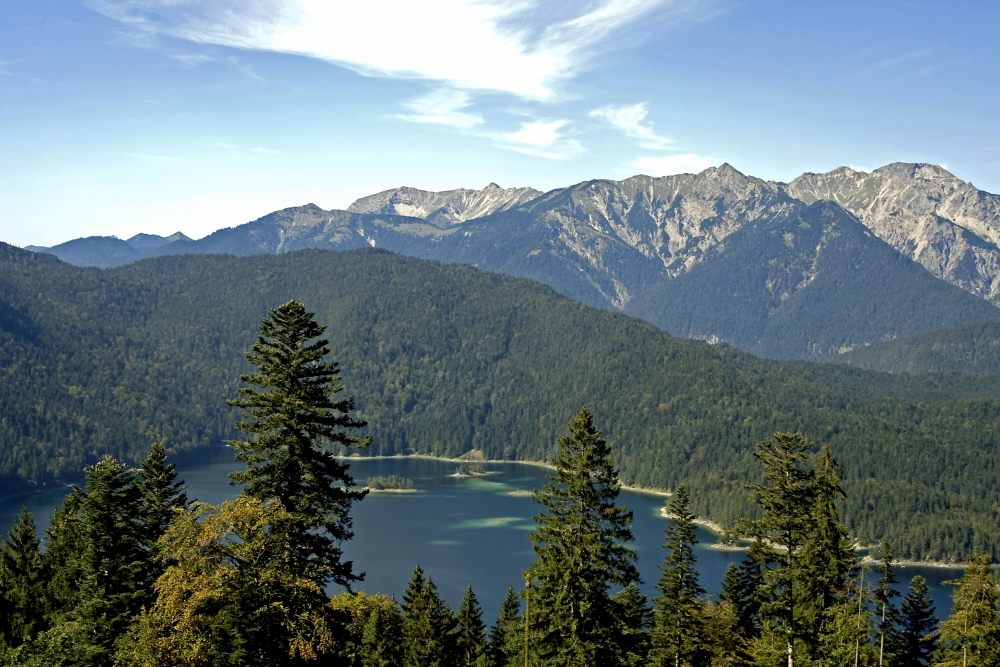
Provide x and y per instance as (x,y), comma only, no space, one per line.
(467,44)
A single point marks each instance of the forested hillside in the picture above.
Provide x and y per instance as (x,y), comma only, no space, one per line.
(970,350)
(442,359)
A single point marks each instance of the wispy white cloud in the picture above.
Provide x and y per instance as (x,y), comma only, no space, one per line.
(466,44)
(547,139)
(631,120)
(444,106)
(189,59)
(681,163)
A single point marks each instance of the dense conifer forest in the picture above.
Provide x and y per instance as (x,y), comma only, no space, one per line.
(129,573)
(444,359)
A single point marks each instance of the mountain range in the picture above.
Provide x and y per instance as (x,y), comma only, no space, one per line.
(822,265)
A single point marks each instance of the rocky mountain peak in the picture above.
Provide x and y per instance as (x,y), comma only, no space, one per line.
(926,213)
(915,170)
(443,208)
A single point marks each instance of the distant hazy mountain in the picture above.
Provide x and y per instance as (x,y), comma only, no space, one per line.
(151,241)
(716,255)
(108,251)
(926,213)
(99,251)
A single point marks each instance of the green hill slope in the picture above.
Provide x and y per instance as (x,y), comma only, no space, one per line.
(444,358)
(970,350)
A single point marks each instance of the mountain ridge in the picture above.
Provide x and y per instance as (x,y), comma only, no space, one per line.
(617,244)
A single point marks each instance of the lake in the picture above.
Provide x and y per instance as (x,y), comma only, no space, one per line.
(464,530)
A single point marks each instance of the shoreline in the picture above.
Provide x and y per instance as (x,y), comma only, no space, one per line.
(708,524)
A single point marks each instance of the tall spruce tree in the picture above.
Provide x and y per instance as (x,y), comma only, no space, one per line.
(114,562)
(62,559)
(21,582)
(382,637)
(634,618)
(678,632)
(507,633)
(470,633)
(290,410)
(826,561)
(742,587)
(786,503)
(581,543)
(428,625)
(162,493)
(915,641)
(971,634)
(886,613)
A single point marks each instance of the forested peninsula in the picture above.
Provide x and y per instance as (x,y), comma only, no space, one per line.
(444,358)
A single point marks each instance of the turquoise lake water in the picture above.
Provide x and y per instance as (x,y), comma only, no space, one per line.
(464,530)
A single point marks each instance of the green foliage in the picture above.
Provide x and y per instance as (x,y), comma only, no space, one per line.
(470,633)
(806,593)
(114,564)
(506,646)
(227,597)
(290,410)
(63,559)
(383,482)
(887,615)
(66,644)
(428,626)
(915,641)
(633,618)
(162,494)
(971,634)
(581,543)
(21,583)
(743,588)
(451,359)
(678,634)
(826,559)
(373,628)
(973,349)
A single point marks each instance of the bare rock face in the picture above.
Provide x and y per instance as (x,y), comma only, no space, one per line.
(674,219)
(923,211)
(443,208)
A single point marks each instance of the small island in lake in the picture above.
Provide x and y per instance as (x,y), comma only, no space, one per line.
(390,484)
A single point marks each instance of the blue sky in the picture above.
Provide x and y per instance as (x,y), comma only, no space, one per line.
(127,116)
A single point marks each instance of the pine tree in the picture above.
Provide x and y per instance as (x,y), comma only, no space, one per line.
(678,635)
(21,579)
(886,612)
(507,635)
(62,559)
(114,564)
(470,633)
(742,587)
(633,616)
(971,634)
(786,502)
(428,626)
(581,549)
(371,630)
(290,411)
(915,642)
(162,494)
(824,566)
(382,637)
